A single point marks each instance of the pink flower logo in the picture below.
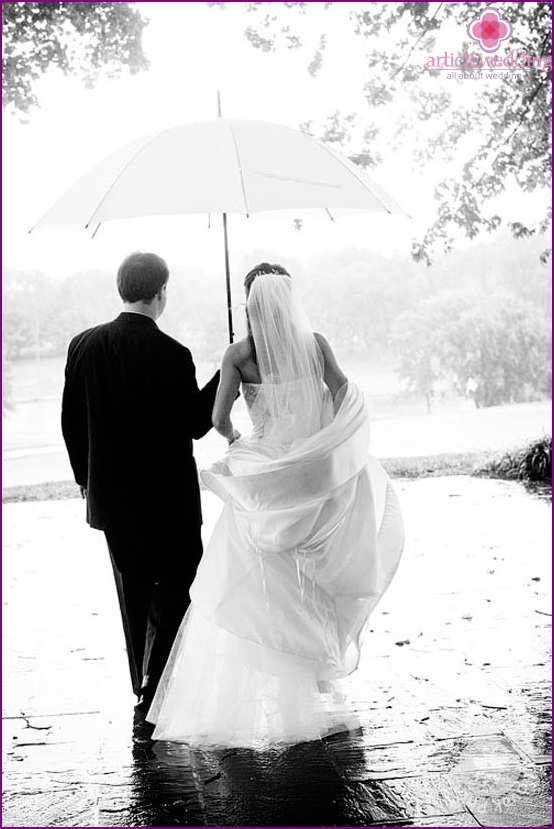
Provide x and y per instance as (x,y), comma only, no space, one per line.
(489,30)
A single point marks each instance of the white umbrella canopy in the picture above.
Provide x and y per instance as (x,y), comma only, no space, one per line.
(219,166)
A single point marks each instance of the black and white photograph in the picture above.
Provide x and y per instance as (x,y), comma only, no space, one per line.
(276,410)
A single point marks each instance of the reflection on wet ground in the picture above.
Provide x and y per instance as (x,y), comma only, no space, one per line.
(453,692)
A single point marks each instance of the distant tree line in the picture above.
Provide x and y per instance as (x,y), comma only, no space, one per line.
(40,315)
(492,347)
(476,323)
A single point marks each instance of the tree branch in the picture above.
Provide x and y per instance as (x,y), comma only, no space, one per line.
(423,33)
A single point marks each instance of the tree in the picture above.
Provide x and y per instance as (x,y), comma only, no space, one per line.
(416,349)
(353,296)
(504,345)
(498,342)
(80,301)
(86,39)
(497,139)
(7,391)
(26,300)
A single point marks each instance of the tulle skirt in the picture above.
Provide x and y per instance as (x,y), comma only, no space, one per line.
(304,548)
(221,690)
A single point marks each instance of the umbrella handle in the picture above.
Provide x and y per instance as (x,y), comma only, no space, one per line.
(228,280)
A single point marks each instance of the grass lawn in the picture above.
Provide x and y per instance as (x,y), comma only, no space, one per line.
(56,491)
(475,440)
(467,463)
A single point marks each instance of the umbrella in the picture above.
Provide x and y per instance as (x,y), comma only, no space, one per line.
(218,166)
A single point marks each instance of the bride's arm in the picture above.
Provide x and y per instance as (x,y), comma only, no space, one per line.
(334,377)
(227,393)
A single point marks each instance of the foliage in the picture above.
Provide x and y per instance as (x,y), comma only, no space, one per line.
(39,316)
(7,393)
(354,297)
(532,463)
(494,347)
(536,462)
(418,349)
(25,298)
(502,344)
(79,302)
(85,39)
(498,138)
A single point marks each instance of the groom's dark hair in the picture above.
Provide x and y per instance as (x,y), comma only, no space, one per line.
(141,276)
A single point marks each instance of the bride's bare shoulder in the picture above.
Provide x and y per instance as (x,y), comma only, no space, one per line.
(239,353)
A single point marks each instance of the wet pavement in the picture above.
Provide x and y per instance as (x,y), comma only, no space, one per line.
(453,692)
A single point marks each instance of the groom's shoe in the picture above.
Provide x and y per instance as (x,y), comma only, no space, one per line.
(142,729)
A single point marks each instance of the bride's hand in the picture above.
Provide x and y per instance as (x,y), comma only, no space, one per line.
(236,436)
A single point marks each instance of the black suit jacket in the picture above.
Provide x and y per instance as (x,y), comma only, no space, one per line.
(131,407)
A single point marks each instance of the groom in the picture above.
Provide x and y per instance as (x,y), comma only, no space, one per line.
(131,408)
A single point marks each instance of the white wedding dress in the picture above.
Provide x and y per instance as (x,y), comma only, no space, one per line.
(308,540)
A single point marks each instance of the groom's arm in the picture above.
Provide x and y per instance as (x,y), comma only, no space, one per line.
(202,416)
(199,402)
(74,426)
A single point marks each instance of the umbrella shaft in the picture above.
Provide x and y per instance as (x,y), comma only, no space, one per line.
(228,279)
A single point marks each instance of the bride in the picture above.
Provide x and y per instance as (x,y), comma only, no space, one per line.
(308,540)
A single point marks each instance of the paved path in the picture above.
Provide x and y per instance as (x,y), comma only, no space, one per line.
(452,692)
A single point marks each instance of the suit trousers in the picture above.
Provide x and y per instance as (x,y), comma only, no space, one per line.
(153,572)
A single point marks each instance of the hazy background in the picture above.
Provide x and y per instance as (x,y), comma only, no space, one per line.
(444,318)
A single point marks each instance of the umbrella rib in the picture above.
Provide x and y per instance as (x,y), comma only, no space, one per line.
(239,161)
(352,172)
(118,176)
(296,180)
